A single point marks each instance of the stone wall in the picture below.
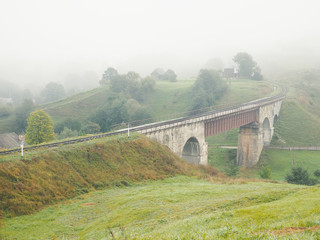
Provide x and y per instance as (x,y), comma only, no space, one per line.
(175,138)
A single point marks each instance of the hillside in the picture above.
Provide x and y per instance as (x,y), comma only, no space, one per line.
(179,208)
(168,99)
(47,176)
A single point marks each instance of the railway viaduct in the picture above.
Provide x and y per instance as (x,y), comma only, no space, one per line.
(186,136)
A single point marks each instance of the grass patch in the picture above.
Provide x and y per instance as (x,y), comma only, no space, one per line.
(280,161)
(296,127)
(177,208)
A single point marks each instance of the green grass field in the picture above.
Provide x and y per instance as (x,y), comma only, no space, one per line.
(181,207)
(178,208)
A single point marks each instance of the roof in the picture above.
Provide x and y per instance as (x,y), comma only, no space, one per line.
(9,140)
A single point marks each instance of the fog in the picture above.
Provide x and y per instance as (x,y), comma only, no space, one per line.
(65,40)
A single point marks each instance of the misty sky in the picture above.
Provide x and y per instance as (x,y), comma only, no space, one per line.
(47,40)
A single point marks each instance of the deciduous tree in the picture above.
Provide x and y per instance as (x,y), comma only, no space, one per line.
(40,128)
(108,75)
(52,92)
(247,67)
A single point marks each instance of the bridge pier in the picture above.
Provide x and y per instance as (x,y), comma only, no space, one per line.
(250,144)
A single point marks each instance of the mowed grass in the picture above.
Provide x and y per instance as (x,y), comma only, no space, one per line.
(179,208)
(296,127)
(280,161)
(245,90)
(170,98)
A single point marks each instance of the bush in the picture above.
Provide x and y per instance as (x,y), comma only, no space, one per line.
(67,133)
(72,124)
(300,176)
(232,167)
(317,173)
(91,127)
(265,172)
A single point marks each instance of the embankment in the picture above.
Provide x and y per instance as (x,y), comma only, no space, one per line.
(47,176)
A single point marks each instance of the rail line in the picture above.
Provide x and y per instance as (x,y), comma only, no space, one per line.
(249,105)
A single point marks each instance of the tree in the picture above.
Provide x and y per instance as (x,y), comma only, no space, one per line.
(52,92)
(119,83)
(40,128)
(21,115)
(256,75)
(170,75)
(157,73)
(207,89)
(108,75)
(246,66)
(300,176)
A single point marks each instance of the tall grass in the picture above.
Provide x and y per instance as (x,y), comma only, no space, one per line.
(47,176)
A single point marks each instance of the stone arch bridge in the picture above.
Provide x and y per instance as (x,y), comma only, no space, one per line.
(186,136)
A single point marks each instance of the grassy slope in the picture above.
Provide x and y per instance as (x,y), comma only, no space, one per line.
(80,105)
(168,99)
(179,208)
(49,175)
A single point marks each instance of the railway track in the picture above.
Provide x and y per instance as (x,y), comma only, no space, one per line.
(254,104)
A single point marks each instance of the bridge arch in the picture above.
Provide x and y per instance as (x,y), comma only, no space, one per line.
(191,151)
(267,131)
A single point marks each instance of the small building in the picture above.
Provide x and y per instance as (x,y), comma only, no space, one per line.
(9,140)
(230,73)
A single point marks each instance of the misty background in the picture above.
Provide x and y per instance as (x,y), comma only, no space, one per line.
(73,42)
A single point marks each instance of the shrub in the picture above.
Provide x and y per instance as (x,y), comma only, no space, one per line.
(72,124)
(265,172)
(232,167)
(67,133)
(91,127)
(300,176)
(317,173)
